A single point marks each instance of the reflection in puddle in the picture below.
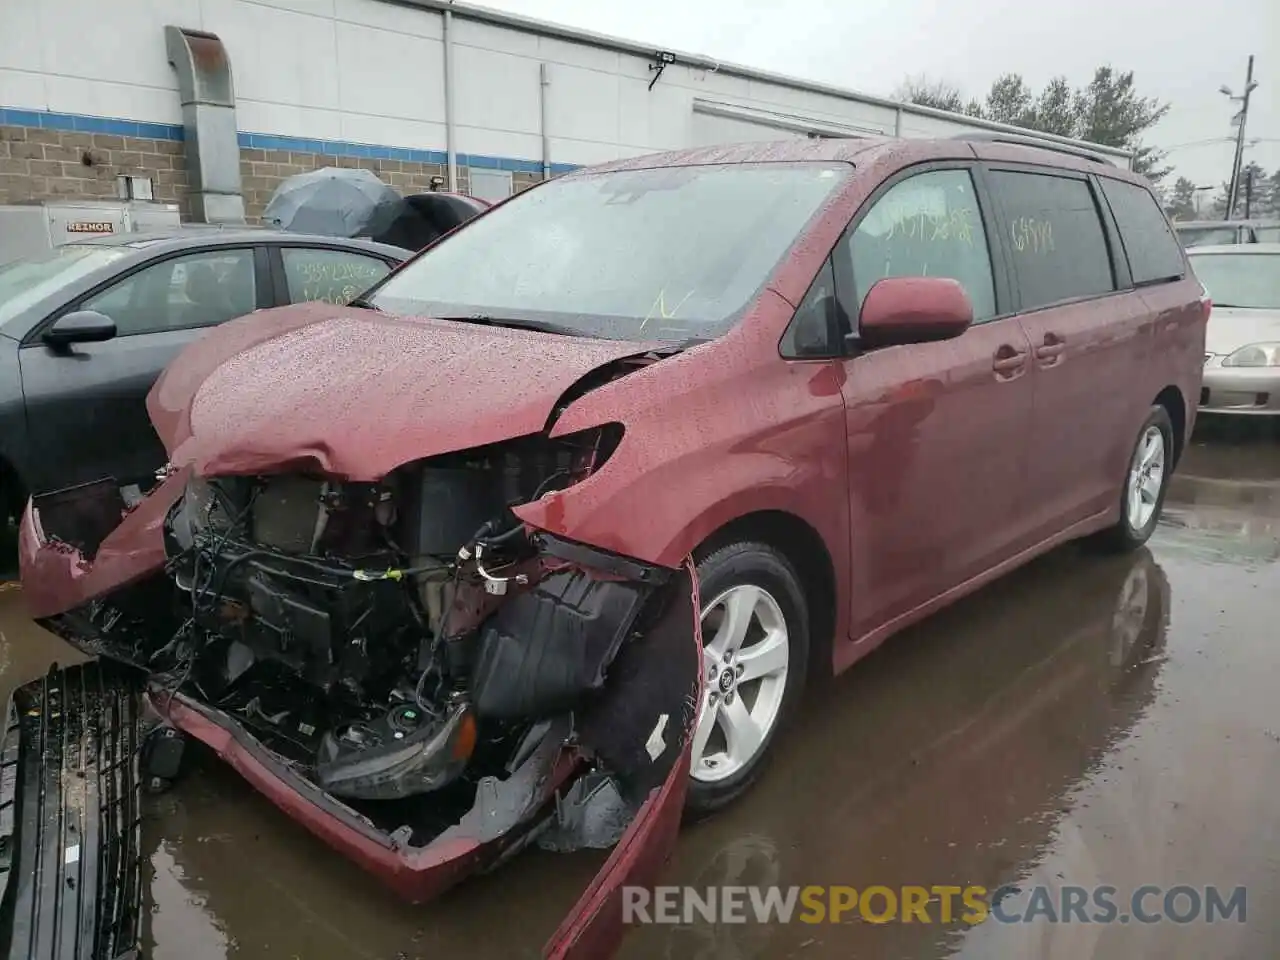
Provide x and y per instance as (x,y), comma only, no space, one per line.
(950,757)
(182,926)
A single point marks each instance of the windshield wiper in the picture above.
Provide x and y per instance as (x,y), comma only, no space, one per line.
(363,304)
(515,323)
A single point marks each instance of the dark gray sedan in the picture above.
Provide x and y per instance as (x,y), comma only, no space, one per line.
(86,329)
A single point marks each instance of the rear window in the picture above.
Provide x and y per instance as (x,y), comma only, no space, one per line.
(1247,280)
(1055,235)
(1153,251)
(28,281)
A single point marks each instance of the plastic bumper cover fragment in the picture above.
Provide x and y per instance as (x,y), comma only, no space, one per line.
(70,863)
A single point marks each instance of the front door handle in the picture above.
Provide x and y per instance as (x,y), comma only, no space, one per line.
(1050,352)
(1009,362)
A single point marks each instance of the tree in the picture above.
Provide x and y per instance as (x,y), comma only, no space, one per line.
(1054,110)
(1110,112)
(1010,101)
(1261,200)
(1182,200)
(1218,210)
(1107,111)
(936,94)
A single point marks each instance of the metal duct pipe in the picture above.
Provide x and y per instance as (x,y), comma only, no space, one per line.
(209,123)
(544,80)
(448,102)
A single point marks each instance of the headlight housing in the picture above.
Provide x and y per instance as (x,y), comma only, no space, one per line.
(1255,355)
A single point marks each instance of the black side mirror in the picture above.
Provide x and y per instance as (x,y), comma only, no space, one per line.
(80,326)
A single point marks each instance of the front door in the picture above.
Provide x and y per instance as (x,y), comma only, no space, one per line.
(1085,342)
(937,432)
(86,405)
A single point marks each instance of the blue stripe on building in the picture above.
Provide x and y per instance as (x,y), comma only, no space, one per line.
(80,123)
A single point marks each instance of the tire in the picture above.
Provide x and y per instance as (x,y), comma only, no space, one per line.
(757,579)
(1138,522)
(9,518)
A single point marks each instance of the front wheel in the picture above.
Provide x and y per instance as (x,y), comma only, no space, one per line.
(755,635)
(1145,485)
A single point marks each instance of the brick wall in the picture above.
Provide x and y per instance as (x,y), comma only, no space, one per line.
(41,164)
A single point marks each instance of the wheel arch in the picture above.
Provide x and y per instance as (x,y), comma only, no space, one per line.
(804,548)
(1176,406)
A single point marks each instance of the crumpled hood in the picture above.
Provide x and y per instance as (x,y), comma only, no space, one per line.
(357,393)
(1231,328)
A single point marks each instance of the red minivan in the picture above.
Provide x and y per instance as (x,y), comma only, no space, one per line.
(549,528)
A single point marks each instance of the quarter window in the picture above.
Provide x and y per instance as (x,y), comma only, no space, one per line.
(1153,251)
(815,329)
(331,276)
(197,290)
(929,225)
(1055,237)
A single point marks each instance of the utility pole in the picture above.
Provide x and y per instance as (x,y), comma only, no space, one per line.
(1248,190)
(1241,118)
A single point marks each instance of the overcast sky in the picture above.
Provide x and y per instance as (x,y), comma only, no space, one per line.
(1180,52)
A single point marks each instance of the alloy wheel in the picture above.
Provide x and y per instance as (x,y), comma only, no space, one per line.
(1146,478)
(745,659)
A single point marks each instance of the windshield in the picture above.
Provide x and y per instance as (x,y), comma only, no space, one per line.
(1250,280)
(30,280)
(1206,236)
(672,253)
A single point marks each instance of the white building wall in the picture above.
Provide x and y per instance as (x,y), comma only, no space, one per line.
(372,72)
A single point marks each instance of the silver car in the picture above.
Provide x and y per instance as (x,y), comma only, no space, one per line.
(1201,233)
(1242,346)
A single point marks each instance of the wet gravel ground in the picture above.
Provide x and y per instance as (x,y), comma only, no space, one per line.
(1085,721)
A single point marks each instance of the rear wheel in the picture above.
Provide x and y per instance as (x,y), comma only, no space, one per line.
(1145,484)
(755,634)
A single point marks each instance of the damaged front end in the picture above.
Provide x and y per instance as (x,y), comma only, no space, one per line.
(402,665)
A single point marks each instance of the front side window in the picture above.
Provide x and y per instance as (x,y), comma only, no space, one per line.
(330,276)
(197,290)
(929,225)
(669,253)
(1247,280)
(1154,254)
(24,283)
(1055,237)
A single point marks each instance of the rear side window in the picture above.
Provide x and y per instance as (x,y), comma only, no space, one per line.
(1153,251)
(1055,236)
(331,276)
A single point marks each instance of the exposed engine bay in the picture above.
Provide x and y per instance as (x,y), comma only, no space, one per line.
(409,637)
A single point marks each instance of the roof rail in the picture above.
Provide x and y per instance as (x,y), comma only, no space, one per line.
(990,136)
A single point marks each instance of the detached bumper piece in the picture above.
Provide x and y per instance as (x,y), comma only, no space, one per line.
(70,861)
